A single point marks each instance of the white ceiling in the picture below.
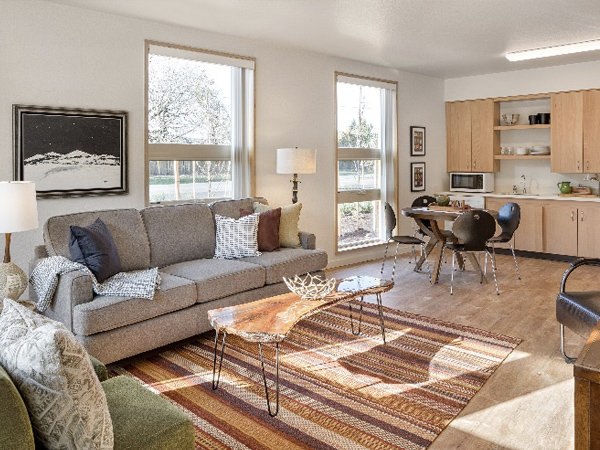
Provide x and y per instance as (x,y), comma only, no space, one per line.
(440,38)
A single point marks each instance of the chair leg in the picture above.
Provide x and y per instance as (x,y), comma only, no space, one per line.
(426,261)
(493,261)
(568,359)
(384,255)
(452,275)
(512,249)
(395,257)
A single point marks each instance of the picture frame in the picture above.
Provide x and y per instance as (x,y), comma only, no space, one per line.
(417,141)
(70,152)
(417,177)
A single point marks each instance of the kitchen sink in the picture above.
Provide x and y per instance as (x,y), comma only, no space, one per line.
(512,193)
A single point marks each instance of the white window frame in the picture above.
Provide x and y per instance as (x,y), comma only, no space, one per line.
(241,150)
(389,173)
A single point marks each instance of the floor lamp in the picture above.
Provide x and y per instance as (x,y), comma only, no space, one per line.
(18,212)
(294,161)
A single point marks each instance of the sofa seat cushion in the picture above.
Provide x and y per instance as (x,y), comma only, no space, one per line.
(105,313)
(145,421)
(218,278)
(288,262)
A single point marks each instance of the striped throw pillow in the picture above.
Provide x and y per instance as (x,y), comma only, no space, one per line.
(236,238)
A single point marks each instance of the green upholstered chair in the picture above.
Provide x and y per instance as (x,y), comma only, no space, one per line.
(141,419)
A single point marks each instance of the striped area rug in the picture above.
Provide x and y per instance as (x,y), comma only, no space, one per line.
(338,391)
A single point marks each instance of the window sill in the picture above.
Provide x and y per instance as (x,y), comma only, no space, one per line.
(359,246)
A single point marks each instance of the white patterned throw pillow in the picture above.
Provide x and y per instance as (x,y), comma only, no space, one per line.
(236,238)
(54,375)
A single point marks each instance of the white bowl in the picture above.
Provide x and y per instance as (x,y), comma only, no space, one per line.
(521,151)
(510,119)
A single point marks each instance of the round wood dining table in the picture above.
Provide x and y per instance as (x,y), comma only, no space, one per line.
(439,236)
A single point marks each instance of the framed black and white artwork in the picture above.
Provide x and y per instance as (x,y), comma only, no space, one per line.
(70,152)
(417,175)
(417,141)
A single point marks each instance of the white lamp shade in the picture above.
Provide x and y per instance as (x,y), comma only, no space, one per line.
(18,206)
(296,160)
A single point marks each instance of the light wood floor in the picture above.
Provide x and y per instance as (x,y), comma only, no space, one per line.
(528,401)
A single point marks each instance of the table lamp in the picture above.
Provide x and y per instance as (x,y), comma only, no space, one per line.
(294,161)
(18,212)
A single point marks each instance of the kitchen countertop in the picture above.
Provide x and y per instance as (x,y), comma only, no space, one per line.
(526,196)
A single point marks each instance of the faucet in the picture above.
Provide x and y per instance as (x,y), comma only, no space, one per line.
(523,189)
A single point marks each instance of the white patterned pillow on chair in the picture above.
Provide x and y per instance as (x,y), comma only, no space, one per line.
(236,238)
(55,377)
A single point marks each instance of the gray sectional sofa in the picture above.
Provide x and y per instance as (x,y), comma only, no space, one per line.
(180,241)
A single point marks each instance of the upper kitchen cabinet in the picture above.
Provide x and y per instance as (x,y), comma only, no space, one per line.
(471,139)
(576,132)
(567,132)
(591,131)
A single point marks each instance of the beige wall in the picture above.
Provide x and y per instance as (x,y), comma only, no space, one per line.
(58,55)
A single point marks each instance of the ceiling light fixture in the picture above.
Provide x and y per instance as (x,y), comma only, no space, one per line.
(557,50)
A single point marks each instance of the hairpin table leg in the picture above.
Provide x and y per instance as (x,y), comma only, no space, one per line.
(215,385)
(359,318)
(262,363)
(380,307)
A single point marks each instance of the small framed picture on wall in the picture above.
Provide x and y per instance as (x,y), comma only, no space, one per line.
(417,141)
(417,177)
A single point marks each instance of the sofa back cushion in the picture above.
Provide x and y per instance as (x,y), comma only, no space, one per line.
(231,208)
(125,226)
(179,233)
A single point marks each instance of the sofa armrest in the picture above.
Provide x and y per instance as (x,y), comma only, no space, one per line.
(74,288)
(307,240)
(100,369)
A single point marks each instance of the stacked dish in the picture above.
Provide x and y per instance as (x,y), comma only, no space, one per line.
(540,150)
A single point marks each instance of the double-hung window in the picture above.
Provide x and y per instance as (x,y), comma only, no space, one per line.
(366,153)
(200,124)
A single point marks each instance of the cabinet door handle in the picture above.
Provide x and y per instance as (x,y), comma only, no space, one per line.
(578,165)
(582,216)
(475,165)
(572,215)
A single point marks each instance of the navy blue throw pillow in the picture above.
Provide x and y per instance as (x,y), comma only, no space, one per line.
(94,247)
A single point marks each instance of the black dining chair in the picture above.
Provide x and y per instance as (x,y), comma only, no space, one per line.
(422,202)
(509,218)
(473,229)
(390,225)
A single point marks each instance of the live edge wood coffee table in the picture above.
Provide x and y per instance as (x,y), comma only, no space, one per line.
(271,319)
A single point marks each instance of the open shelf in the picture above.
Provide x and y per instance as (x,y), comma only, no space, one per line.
(521,156)
(521,127)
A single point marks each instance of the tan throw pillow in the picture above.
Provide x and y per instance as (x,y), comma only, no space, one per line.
(54,375)
(288,224)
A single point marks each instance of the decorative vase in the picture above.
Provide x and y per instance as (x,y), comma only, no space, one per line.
(13,281)
(565,187)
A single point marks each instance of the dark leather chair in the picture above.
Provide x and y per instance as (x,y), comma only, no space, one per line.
(473,229)
(509,218)
(579,311)
(390,224)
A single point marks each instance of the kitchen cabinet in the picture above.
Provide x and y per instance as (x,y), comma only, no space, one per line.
(588,237)
(575,132)
(591,131)
(567,132)
(560,229)
(528,236)
(471,138)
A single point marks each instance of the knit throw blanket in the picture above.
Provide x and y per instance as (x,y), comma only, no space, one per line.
(44,279)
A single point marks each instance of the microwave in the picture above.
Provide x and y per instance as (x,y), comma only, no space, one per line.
(471,182)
